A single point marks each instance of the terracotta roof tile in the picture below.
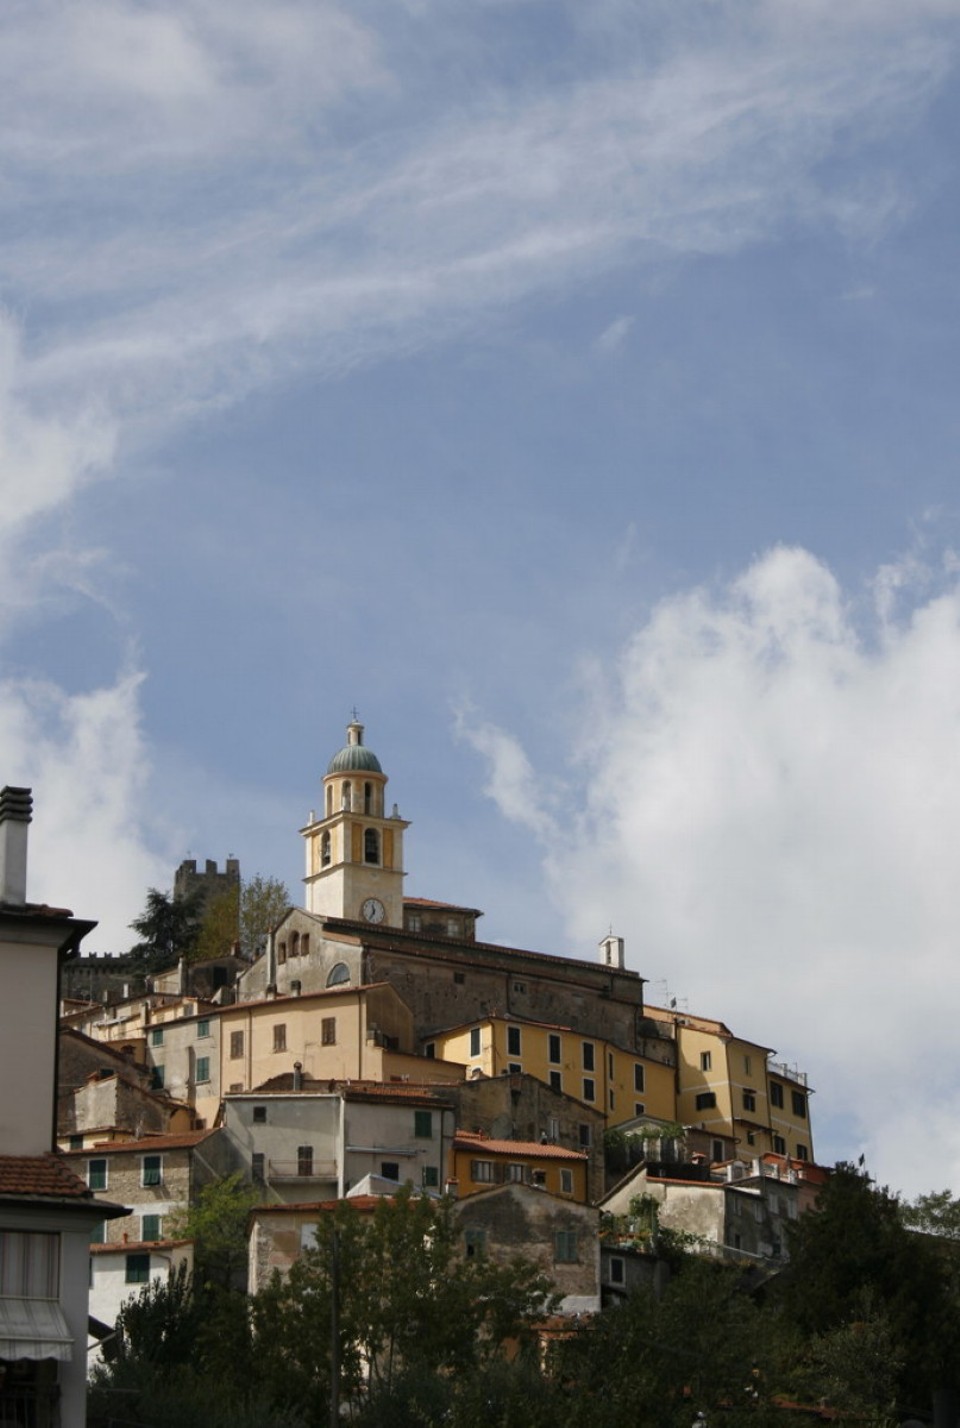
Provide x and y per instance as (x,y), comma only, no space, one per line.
(467,1140)
(44,1175)
(147,1143)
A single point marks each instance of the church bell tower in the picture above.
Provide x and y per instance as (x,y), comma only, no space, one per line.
(354,852)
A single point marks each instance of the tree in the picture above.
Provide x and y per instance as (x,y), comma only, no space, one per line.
(410,1310)
(263,902)
(936,1213)
(217,1224)
(854,1244)
(168,928)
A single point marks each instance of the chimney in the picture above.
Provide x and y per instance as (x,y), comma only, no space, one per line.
(298,1075)
(16,811)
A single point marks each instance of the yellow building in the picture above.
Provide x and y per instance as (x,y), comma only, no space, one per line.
(344,1034)
(480,1162)
(613,1080)
(730,1086)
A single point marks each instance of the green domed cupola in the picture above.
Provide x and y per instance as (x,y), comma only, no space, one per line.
(354,756)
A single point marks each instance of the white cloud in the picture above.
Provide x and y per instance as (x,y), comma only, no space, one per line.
(769,812)
(85,759)
(613,336)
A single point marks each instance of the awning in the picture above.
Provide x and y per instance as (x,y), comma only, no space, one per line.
(33,1329)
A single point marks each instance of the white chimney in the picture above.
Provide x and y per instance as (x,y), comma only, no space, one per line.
(16,811)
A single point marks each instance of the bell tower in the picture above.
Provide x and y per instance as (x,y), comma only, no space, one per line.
(354,852)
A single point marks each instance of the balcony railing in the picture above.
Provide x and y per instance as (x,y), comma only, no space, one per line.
(301,1170)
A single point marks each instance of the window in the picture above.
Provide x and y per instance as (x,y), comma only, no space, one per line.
(338,974)
(152,1170)
(305,1160)
(553,1128)
(556,1080)
(76,1142)
(706,1060)
(29,1264)
(612,1099)
(97,1174)
(430,1051)
(586,1136)
(203,1027)
(157,1078)
(414,922)
(566,1182)
(799,1104)
(390,1169)
(345,800)
(589,1089)
(368,798)
(638,1077)
(294,944)
(718,1150)
(203,1069)
(156,1036)
(325,850)
(474,1243)
(747,1066)
(453,927)
(776,1094)
(474,1041)
(481,1171)
(280,1037)
(751,1137)
(610,1065)
(459,978)
(553,1051)
(282,950)
(803,1151)
(236,1045)
(639,1109)
(513,1041)
(138,1269)
(371,846)
(423,1124)
(705,1100)
(565,1247)
(258,1167)
(588,1058)
(749,1101)
(98,1235)
(304,944)
(328,1031)
(617,1270)
(779,1145)
(150,1227)
(520,987)
(259,1115)
(431,1177)
(515,1174)
(514,1068)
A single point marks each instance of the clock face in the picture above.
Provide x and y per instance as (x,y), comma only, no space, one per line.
(373,910)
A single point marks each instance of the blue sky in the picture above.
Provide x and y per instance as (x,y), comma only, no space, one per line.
(571,388)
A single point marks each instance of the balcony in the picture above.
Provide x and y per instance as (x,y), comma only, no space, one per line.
(302,1170)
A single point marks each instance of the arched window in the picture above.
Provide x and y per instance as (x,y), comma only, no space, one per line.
(295,944)
(371,846)
(338,974)
(345,796)
(325,850)
(368,798)
(281,951)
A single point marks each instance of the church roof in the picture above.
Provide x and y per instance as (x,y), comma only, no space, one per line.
(354,756)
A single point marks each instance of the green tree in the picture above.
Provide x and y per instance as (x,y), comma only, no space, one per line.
(217,1224)
(409,1308)
(168,929)
(937,1213)
(263,902)
(854,1244)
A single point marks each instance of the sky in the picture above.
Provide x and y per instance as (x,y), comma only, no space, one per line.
(572,390)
